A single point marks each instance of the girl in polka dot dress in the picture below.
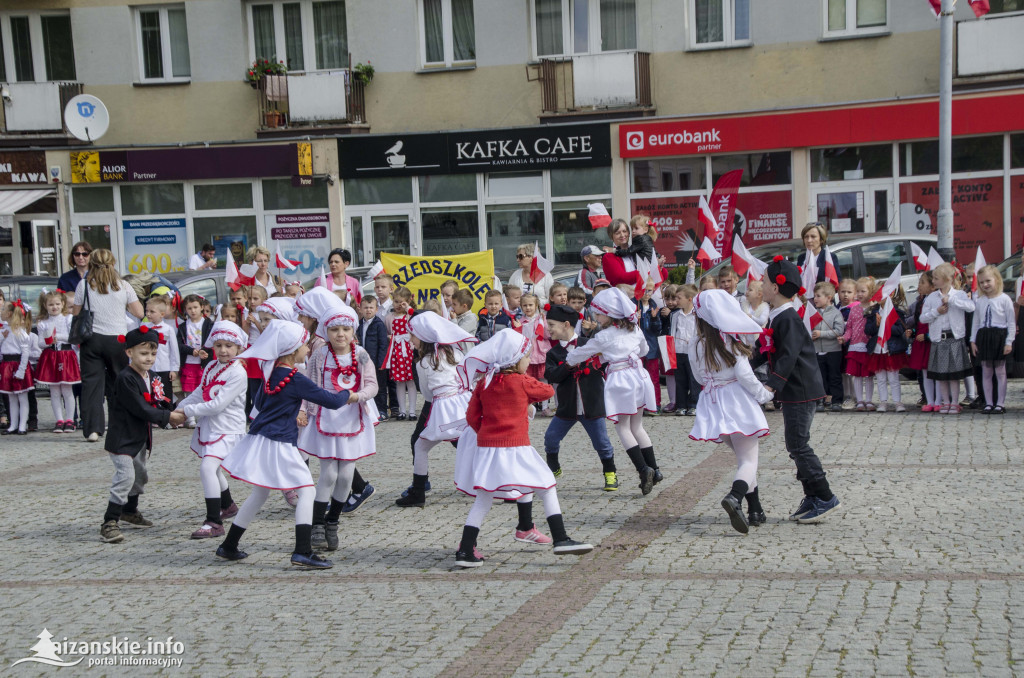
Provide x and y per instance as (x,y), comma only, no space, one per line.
(400,353)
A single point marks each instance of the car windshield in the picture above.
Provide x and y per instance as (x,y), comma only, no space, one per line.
(1010,270)
(30,295)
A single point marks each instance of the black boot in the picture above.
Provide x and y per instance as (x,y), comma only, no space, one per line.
(645,471)
(417,495)
(648,453)
(466,555)
(228,549)
(755,514)
(733,505)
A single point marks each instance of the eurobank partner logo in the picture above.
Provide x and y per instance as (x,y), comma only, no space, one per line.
(112,652)
(684,140)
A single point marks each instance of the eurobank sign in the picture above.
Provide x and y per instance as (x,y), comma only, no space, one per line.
(858,124)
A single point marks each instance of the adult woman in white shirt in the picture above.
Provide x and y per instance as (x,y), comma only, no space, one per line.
(102,355)
(261,257)
(521,276)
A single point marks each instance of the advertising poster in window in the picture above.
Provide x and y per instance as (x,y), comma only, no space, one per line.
(155,245)
(977,214)
(238,243)
(301,237)
(1016,213)
(762,218)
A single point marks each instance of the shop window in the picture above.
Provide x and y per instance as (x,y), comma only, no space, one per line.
(669,174)
(719,23)
(451,230)
(447,188)
(280,194)
(1017,151)
(237,233)
(851,162)
(96,235)
(855,17)
(880,258)
(567,27)
(306,35)
(759,169)
(152,199)
(204,287)
(385,191)
(222,196)
(972,154)
(93,199)
(573,231)
(842,212)
(509,226)
(447,33)
(515,184)
(589,181)
(1005,6)
(41,47)
(163,44)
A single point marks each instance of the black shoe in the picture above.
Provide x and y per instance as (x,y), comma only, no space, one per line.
(732,506)
(987,409)
(755,518)
(977,403)
(646,480)
(401,417)
(657,476)
(568,547)
(837,407)
(464,559)
(236,554)
(820,407)
(311,560)
(412,498)
(998,409)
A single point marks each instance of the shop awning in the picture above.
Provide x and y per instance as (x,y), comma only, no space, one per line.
(12,201)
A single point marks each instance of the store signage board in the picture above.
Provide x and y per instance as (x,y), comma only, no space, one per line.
(22,167)
(301,237)
(155,245)
(499,150)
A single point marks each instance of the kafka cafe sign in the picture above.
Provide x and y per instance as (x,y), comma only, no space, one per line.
(499,150)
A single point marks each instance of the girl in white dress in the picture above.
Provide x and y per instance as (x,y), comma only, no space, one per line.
(628,389)
(338,437)
(729,409)
(218,405)
(58,362)
(445,401)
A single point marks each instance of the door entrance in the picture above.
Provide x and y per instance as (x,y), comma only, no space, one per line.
(856,208)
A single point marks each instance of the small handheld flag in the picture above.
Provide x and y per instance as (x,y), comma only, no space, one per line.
(920,258)
(283,263)
(599,217)
(934,259)
(890,285)
(707,218)
(540,266)
(707,253)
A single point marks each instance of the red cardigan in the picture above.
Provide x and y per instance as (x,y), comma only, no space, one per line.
(615,271)
(505,401)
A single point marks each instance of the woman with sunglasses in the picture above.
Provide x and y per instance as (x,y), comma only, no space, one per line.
(521,276)
(78,266)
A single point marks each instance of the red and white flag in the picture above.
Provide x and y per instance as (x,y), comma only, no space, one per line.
(324,282)
(980,7)
(890,285)
(741,258)
(283,263)
(356,294)
(667,349)
(809,274)
(886,322)
(707,218)
(235,277)
(375,270)
(936,6)
(934,259)
(810,315)
(979,263)
(920,258)
(540,266)
(707,254)
(723,206)
(831,274)
(599,217)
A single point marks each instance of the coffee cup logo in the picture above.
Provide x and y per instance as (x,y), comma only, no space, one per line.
(394,157)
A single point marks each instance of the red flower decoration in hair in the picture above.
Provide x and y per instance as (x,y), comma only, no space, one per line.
(780,279)
(778,258)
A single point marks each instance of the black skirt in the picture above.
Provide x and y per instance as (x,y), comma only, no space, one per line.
(991,341)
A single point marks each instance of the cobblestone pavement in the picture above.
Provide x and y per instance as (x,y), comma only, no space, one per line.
(921,574)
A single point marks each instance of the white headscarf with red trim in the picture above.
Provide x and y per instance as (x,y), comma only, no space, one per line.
(614,304)
(720,309)
(343,315)
(318,303)
(504,349)
(225,330)
(433,329)
(283,308)
(281,338)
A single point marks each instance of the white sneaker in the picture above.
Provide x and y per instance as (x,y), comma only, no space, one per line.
(93,437)
(881,406)
(191,423)
(900,407)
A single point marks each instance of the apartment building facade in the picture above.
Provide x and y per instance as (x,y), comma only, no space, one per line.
(436,126)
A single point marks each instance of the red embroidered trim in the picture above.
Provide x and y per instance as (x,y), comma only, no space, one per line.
(348,370)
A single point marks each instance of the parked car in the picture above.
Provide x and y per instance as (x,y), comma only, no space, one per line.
(208,284)
(1010,269)
(27,288)
(859,255)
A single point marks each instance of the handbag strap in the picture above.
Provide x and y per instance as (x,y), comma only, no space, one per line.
(85,305)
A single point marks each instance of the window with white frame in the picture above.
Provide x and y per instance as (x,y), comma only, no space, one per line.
(719,23)
(568,27)
(162,43)
(855,17)
(37,47)
(306,35)
(447,33)
(1005,6)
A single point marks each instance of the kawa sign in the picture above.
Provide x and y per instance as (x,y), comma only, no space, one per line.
(23,168)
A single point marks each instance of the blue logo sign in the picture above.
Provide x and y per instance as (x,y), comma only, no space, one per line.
(85,109)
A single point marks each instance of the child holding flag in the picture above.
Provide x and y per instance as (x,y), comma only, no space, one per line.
(886,327)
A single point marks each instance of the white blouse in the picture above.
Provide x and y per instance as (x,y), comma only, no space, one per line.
(614,344)
(224,413)
(994,312)
(440,382)
(108,310)
(45,328)
(953,320)
(741,372)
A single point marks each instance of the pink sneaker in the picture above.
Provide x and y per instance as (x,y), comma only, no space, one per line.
(291,496)
(208,530)
(927,408)
(476,553)
(533,536)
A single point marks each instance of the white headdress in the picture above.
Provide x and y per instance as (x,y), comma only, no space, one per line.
(318,303)
(225,330)
(343,315)
(504,349)
(430,327)
(281,338)
(283,308)
(720,309)
(614,304)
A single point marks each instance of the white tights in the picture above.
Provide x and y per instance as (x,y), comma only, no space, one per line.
(213,479)
(252,505)
(670,387)
(891,379)
(948,392)
(62,401)
(18,416)
(746,448)
(335,480)
(988,369)
(864,386)
(420,452)
(406,394)
(631,431)
(930,396)
(484,499)
(972,387)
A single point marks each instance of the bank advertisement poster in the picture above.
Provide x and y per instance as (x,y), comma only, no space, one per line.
(155,245)
(1016,213)
(977,214)
(302,237)
(760,218)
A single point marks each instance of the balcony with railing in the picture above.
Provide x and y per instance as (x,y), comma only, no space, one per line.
(34,111)
(589,86)
(990,48)
(314,103)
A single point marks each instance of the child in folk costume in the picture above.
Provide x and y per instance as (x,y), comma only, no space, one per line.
(533,328)
(267,457)
(217,404)
(58,363)
(192,336)
(729,409)
(499,457)
(945,312)
(166,367)
(628,390)
(15,373)
(443,417)
(401,354)
(338,437)
(992,335)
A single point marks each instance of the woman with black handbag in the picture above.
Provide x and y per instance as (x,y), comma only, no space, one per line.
(101,300)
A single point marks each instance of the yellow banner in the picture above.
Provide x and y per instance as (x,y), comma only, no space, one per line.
(424,275)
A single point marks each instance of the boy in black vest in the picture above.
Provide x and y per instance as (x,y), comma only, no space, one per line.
(580,394)
(133,411)
(794,378)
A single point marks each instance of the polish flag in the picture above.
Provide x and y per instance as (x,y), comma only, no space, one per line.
(831,274)
(707,217)
(757,270)
(540,266)
(979,263)
(375,270)
(667,349)
(890,284)
(707,253)
(934,259)
(355,294)
(936,6)
(599,217)
(283,263)
(887,321)
(809,274)
(741,259)
(920,258)
(235,277)
(810,315)
(980,7)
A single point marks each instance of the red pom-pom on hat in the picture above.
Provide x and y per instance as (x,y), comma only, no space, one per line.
(144,329)
(778,258)
(121,338)
(586,370)
(803,291)
(780,279)
(547,307)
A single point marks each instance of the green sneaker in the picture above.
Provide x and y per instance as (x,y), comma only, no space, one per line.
(611,481)
(557,472)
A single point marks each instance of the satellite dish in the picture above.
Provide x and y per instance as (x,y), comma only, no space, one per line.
(86,117)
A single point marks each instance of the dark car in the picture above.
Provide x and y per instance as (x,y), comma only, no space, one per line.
(27,288)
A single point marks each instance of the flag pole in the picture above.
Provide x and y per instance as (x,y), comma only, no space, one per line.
(945,215)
